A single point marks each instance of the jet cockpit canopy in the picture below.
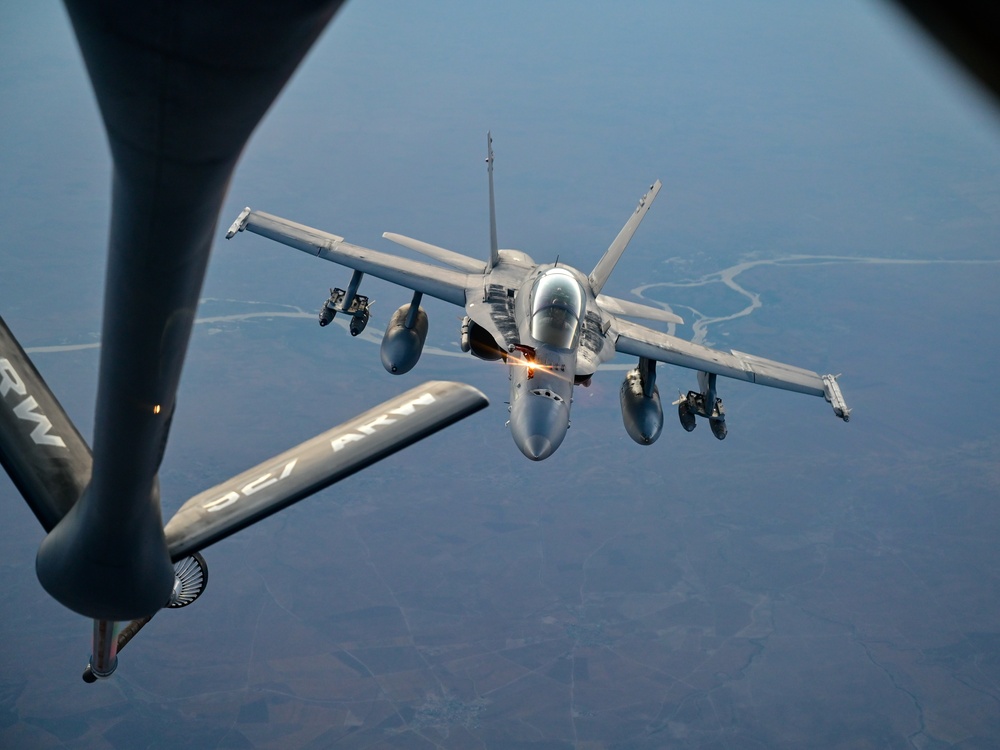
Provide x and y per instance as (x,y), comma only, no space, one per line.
(558,304)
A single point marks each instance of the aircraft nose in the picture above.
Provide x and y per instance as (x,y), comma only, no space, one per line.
(537,447)
(538,425)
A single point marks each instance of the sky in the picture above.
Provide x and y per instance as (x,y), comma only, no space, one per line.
(830,199)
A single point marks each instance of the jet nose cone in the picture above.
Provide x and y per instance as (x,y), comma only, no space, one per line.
(537,447)
(538,425)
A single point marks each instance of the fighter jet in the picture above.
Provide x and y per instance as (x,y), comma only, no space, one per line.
(548,322)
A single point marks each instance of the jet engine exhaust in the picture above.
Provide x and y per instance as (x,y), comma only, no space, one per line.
(477,340)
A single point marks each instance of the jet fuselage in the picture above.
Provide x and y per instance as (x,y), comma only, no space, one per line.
(550,308)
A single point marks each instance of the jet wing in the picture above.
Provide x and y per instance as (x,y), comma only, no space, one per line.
(641,341)
(442,283)
(317,463)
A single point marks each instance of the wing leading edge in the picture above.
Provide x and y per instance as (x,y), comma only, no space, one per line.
(442,283)
(641,341)
(317,463)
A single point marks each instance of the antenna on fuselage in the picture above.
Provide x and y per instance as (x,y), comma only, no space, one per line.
(494,250)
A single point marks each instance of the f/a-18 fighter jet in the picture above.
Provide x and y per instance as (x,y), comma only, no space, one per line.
(548,322)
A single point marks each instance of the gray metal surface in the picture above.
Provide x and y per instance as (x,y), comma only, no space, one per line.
(180,86)
(641,341)
(495,299)
(448,257)
(317,463)
(40,447)
(617,306)
(602,271)
(441,283)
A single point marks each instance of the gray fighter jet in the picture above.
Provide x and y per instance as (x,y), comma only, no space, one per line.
(549,322)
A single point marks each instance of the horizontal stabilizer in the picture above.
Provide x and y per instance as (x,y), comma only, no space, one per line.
(448,257)
(40,447)
(317,463)
(617,306)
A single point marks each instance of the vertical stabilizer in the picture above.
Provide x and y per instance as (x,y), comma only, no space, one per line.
(494,249)
(599,276)
(40,447)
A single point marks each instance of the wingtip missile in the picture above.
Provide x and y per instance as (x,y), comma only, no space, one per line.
(832,393)
(239,225)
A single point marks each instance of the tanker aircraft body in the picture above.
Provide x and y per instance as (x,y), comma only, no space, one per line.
(181,85)
(549,322)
